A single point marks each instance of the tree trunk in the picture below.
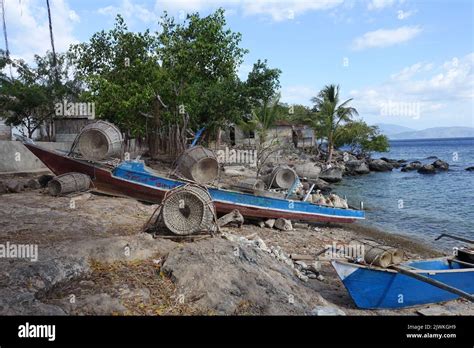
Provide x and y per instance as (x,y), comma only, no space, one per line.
(330,148)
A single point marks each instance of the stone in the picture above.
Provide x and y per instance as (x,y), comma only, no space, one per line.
(357,167)
(327,310)
(302,264)
(270,223)
(308,170)
(332,174)
(441,165)
(320,277)
(220,279)
(470,169)
(415,165)
(427,169)
(283,224)
(261,224)
(3,187)
(320,184)
(379,165)
(14,186)
(33,184)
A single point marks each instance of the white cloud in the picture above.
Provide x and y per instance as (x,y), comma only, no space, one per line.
(401,15)
(288,9)
(28,28)
(380,4)
(130,11)
(386,37)
(298,94)
(410,71)
(277,10)
(443,92)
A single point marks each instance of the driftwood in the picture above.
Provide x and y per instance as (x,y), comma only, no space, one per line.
(233,217)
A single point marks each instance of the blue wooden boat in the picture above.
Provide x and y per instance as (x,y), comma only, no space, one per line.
(373,287)
(134,179)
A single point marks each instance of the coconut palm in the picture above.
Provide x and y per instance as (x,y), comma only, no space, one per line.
(329,114)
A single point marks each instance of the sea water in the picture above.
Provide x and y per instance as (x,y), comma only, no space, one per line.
(421,206)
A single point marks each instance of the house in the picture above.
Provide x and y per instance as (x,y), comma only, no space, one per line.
(284,132)
(66,129)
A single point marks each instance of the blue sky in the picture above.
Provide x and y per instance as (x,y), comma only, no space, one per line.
(404,62)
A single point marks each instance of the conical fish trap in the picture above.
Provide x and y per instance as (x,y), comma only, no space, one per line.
(187,210)
(67,183)
(198,164)
(281,177)
(100,140)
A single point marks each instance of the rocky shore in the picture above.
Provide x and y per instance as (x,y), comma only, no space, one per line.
(93,258)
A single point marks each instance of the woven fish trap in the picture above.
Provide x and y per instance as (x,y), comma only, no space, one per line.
(187,210)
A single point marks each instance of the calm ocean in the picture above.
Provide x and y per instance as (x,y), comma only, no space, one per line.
(416,205)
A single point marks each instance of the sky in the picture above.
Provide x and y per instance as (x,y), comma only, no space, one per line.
(404,62)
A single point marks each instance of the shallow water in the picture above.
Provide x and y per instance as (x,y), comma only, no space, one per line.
(417,205)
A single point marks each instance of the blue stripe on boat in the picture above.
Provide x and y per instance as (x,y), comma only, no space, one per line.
(137,173)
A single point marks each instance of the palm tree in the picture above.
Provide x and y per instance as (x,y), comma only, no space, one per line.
(329,114)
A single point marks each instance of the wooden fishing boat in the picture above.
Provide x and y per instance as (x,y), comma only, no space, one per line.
(134,179)
(413,283)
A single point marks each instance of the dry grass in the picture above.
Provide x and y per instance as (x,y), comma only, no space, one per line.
(121,280)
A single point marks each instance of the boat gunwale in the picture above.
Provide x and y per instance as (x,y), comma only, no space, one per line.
(225,190)
(414,270)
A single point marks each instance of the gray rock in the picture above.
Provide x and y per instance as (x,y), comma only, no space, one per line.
(283,224)
(270,223)
(320,184)
(356,167)
(220,279)
(327,310)
(308,170)
(33,184)
(3,187)
(427,169)
(332,174)
(379,165)
(14,186)
(470,169)
(441,165)
(415,165)
(100,304)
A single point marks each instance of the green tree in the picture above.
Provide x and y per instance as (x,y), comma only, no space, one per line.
(330,114)
(201,58)
(29,99)
(262,84)
(122,74)
(361,138)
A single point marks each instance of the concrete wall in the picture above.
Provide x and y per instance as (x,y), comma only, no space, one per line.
(16,158)
(5,131)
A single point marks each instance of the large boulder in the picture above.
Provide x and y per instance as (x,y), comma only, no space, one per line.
(441,165)
(308,170)
(320,184)
(415,165)
(427,169)
(236,278)
(379,165)
(331,174)
(356,167)
(395,163)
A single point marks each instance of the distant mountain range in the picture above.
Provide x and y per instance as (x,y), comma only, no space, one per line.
(393,131)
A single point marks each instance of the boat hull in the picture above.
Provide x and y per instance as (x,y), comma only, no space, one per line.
(131,179)
(375,288)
